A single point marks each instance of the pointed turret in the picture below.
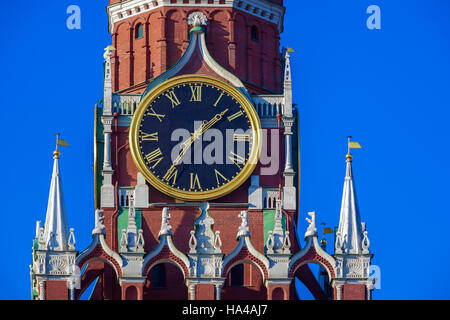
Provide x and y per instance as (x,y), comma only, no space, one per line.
(54,246)
(353,258)
(350,233)
(56,231)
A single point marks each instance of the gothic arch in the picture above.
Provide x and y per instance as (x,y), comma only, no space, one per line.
(246,253)
(131,293)
(117,270)
(166,252)
(153,263)
(312,253)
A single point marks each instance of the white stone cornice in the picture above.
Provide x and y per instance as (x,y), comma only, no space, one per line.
(260,8)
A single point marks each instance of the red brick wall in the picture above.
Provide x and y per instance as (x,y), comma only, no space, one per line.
(56,290)
(354,292)
(166,38)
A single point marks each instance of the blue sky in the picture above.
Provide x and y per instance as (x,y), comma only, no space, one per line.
(388,88)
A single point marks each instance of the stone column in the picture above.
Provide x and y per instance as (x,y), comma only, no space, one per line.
(219,291)
(191,289)
(289,190)
(107,189)
(41,290)
(339,288)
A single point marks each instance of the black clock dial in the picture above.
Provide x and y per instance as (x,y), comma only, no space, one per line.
(195,137)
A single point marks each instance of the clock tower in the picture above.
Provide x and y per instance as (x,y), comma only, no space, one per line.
(197,164)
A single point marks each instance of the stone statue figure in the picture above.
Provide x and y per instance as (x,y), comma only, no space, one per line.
(312,229)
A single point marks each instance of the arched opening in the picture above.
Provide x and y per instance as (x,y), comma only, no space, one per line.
(98,282)
(236,278)
(312,282)
(244,281)
(139,31)
(131,293)
(278,294)
(165,281)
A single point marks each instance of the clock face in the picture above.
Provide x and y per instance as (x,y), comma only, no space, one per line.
(195,138)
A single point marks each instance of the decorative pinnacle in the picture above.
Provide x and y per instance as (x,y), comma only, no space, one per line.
(349,155)
(197,20)
(323,242)
(56,153)
(108,52)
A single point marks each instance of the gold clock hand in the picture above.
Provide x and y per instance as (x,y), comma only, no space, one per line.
(198,133)
(213,121)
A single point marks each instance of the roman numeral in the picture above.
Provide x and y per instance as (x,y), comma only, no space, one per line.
(195,182)
(196,93)
(219,176)
(173,98)
(220,97)
(241,137)
(154,157)
(171,175)
(154,114)
(236,159)
(149,136)
(235,116)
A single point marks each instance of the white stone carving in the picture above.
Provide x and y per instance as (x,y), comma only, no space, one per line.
(197,19)
(58,265)
(99,226)
(141,192)
(286,243)
(41,240)
(166,228)
(124,241)
(365,242)
(270,197)
(71,242)
(244,230)
(270,242)
(205,237)
(312,229)
(338,244)
(192,242)
(125,105)
(140,242)
(218,241)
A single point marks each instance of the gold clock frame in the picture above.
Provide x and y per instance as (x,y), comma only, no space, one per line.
(200,195)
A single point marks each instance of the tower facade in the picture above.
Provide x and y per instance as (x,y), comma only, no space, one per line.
(207,214)
(151,36)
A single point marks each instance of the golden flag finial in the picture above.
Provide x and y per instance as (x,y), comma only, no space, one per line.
(289,49)
(59,142)
(352,145)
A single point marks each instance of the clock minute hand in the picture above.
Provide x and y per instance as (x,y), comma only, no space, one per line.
(213,121)
(198,133)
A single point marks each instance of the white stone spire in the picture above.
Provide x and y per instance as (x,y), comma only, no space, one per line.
(350,234)
(56,231)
